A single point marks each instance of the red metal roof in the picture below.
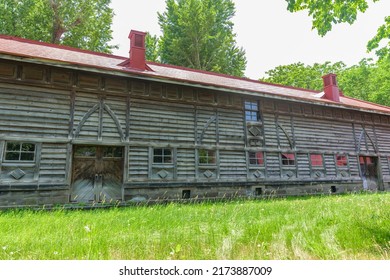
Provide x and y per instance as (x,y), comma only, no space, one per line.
(71,57)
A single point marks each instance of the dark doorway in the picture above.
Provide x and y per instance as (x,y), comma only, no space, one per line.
(97,173)
(369,172)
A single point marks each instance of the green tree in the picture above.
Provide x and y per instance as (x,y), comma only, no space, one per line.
(367,80)
(152,48)
(325,13)
(380,82)
(356,81)
(301,75)
(77,23)
(199,34)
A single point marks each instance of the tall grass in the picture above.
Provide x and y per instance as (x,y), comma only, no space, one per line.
(328,227)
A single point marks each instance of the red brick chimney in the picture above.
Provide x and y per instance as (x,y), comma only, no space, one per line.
(137,50)
(331,88)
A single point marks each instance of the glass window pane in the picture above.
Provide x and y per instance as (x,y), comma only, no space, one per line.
(207,157)
(12,156)
(167,152)
(12,146)
(316,160)
(113,152)
(288,159)
(158,152)
(211,156)
(260,158)
(247,116)
(168,159)
(85,151)
(254,116)
(28,147)
(341,160)
(158,159)
(27,156)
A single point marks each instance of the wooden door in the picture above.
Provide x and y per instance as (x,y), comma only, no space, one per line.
(369,172)
(97,173)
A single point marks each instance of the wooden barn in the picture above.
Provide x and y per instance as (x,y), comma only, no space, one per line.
(84,127)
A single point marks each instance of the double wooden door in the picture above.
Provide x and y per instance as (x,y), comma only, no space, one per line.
(97,173)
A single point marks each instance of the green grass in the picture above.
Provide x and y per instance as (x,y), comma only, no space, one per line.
(327,227)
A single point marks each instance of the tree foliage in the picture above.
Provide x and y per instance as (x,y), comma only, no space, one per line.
(367,80)
(199,34)
(152,49)
(325,13)
(77,23)
(301,75)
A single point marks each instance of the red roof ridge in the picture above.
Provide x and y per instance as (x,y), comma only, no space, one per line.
(63,47)
(227,76)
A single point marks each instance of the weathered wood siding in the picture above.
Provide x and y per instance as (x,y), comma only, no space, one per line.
(31,112)
(53,162)
(56,109)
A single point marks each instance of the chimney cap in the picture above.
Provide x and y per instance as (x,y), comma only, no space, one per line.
(133,32)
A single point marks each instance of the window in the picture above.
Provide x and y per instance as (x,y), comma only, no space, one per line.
(206,157)
(317,160)
(18,151)
(288,159)
(162,156)
(252,111)
(256,158)
(85,151)
(112,152)
(341,160)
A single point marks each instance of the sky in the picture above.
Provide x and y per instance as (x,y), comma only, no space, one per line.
(270,35)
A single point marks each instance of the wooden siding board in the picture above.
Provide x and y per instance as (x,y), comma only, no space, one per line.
(34,113)
(323,136)
(383,138)
(232,165)
(53,164)
(270,132)
(163,122)
(186,164)
(138,163)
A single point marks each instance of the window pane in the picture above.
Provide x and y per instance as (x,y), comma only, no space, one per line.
(113,152)
(341,160)
(252,158)
(28,147)
(316,160)
(247,105)
(85,151)
(211,155)
(167,152)
(12,156)
(260,158)
(251,105)
(158,152)
(206,156)
(27,156)
(12,146)
(167,159)
(254,116)
(256,158)
(158,159)
(288,159)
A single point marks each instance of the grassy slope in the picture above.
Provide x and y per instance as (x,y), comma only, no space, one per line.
(328,227)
